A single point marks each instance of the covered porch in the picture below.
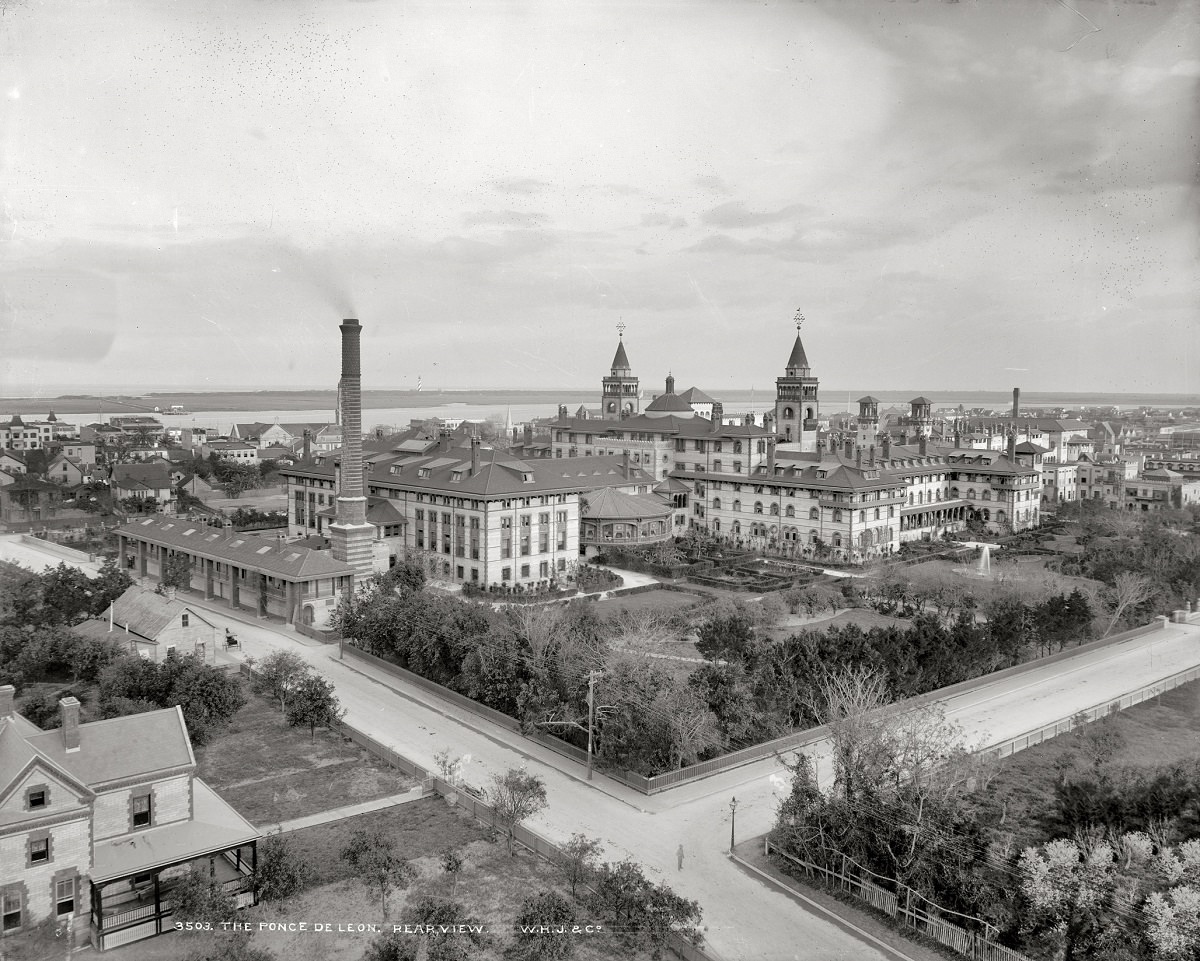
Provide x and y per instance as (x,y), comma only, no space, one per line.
(134,875)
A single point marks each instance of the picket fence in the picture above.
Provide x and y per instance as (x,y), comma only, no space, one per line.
(908,906)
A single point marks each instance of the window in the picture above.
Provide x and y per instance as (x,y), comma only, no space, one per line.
(142,814)
(64,896)
(814,514)
(506,573)
(737,466)
(737,505)
(524,570)
(39,850)
(837,516)
(185,620)
(38,797)
(10,909)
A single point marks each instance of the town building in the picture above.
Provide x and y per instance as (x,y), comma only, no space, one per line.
(797,404)
(27,434)
(155,626)
(266,575)
(145,482)
(99,821)
(233,451)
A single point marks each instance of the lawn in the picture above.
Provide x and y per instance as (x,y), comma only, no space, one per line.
(491,885)
(271,772)
(1155,733)
(667,602)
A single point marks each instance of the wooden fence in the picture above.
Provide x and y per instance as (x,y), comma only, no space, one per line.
(908,906)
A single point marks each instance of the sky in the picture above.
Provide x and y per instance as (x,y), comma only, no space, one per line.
(954,194)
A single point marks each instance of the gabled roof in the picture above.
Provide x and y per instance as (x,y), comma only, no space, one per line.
(146,613)
(269,556)
(152,476)
(18,756)
(122,747)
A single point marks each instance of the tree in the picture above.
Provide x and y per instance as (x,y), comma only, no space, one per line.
(543,929)
(176,571)
(279,672)
(1129,590)
(1069,890)
(450,934)
(728,637)
(198,897)
(1173,924)
(229,947)
(406,575)
(452,864)
(631,904)
(577,860)
(372,856)
(515,795)
(280,871)
(313,702)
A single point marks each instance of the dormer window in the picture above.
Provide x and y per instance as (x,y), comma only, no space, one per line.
(527,477)
(423,472)
(455,476)
(37,797)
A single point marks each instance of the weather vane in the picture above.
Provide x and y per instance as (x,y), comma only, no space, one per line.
(621,329)
(799,320)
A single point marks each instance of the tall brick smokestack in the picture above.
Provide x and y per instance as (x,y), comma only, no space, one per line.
(351,537)
(1016,402)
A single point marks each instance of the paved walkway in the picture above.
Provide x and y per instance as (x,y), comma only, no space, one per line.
(348,811)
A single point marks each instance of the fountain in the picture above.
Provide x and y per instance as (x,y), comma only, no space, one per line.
(984,567)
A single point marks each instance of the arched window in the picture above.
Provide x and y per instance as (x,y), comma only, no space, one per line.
(987,514)
(737,505)
(788,412)
(876,513)
(814,514)
(808,413)
(789,511)
(837,516)
(970,493)
(837,539)
(937,495)
(717,525)
(953,491)
(987,494)
(716,503)
(736,528)
(758,507)
(1000,516)
(920,497)
(912,498)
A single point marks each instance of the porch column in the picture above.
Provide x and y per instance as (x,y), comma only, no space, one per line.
(289,615)
(121,552)
(234,590)
(208,579)
(262,595)
(141,558)
(157,905)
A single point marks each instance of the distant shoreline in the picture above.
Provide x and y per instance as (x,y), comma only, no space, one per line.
(735,399)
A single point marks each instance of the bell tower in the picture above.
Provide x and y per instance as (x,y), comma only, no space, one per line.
(796,405)
(867,425)
(619,393)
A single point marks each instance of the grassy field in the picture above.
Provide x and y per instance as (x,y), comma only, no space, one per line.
(1155,733)
(666,601)
(491,885)
(271,772)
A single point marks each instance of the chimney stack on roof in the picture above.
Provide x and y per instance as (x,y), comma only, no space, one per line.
(69,710)
(887,447)
(1016,402)
(849,447)
(858,458)
(7,693)
(923,446)
(1012,445)
(625,467)
(474,455)
(718,415)
(871,462)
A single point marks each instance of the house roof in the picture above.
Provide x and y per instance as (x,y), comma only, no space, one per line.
(668,402)
(290,561)
(694,395)
(609,503)
(925,401)
(868,400)
(148,613)
(119,748)
(214,826)
(499,473)
(153,476)
(18,756)
(687,424)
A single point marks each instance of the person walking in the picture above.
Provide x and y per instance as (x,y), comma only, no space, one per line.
(679,857)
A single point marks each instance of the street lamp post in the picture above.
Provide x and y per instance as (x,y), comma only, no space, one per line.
(733,803)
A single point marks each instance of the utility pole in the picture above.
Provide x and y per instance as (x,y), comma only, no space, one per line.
(592,675)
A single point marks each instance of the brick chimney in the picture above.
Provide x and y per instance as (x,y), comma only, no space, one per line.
(858,458)
(718,415)
(474,456)
(7,693)
(923,445)
(1016,402)
(351,536)
(887,447)
(871,461)
(849,447)
(1012,445)
(69,710)
(625,468)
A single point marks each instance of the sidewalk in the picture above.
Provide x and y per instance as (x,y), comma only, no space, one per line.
(340,814)
(752,861)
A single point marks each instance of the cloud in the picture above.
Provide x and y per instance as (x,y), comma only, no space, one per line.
(521,185)
(735,214)
(659,218)
(504,218)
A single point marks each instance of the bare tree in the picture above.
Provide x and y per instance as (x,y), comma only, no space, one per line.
(514,796)
(1128,590)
